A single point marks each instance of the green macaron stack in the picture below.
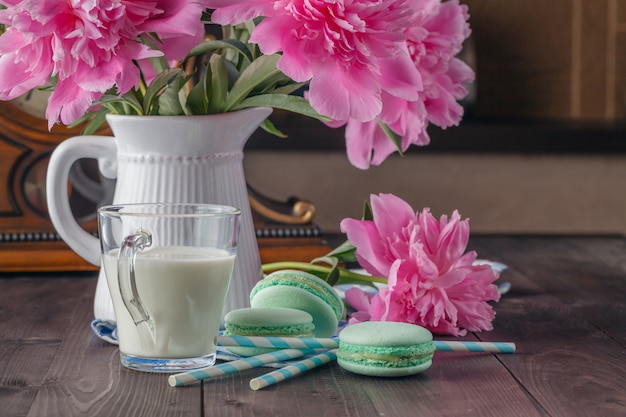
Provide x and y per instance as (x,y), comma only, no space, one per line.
(385,349)
(273,321)
(301,291)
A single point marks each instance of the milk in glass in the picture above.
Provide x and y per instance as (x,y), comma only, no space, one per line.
(183,290)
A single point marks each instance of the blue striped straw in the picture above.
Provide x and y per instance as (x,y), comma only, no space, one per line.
(277,342)
(321,343)
(292,370)
(457,346)
(196,375)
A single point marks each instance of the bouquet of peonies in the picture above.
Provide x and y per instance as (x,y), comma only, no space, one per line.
(385,69)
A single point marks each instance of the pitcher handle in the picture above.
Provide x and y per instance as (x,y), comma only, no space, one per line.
(102,148)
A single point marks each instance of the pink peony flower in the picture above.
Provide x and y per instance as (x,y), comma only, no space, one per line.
(367,144)
(351,50)
(88,46)
(434,38)
(361,301)
(432,282)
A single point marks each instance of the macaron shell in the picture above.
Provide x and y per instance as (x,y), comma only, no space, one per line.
(324,317)
(283,321)
(306,281)
(385,333)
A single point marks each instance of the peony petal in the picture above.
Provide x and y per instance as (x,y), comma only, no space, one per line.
(400,77)
(378,307)
(68,102)
(451,278)
(342,95)
(369,249)
(358,317)
(391,214)
(359,142)
(271,35)
(178,19)
(233,12)
(16,79)
(453,241)
(358,299)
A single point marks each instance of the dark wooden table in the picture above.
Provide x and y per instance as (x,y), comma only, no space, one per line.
(566,312)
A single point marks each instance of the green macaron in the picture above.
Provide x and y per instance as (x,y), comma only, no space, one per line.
(302,291)
(279,322)
(385,349)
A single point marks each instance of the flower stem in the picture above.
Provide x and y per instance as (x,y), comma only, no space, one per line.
(305,266)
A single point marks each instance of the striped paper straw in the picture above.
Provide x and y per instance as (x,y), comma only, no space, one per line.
(277,342)
(321,343)
(495,347)
(189,377)
(292,370)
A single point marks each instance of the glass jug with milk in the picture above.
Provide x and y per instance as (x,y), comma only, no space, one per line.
(168,268)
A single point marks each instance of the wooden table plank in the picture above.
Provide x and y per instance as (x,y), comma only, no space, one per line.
(32,325)
(566,310)
(66,370)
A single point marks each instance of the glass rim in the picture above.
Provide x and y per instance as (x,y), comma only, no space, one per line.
(134,210)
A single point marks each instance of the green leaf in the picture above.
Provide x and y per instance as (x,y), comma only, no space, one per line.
(232,72)
(344,252)
(132,100)
(271,84)
(98,119)
(156,87)
(208,87)
(269,127)
(247,28)
(159,64)
(127,104)
(258,72)
(197,100)
(351,280)
(333,275)
(90,119)
(215,45)
(393,136)
(367,211)
(288,88)
(169,101)
(295,104)
(219,84)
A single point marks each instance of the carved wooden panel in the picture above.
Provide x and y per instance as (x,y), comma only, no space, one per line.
(27,238)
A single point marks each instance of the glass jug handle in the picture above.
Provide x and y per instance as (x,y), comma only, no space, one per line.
(126,276)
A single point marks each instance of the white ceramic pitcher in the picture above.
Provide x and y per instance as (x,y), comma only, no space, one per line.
(164,159)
